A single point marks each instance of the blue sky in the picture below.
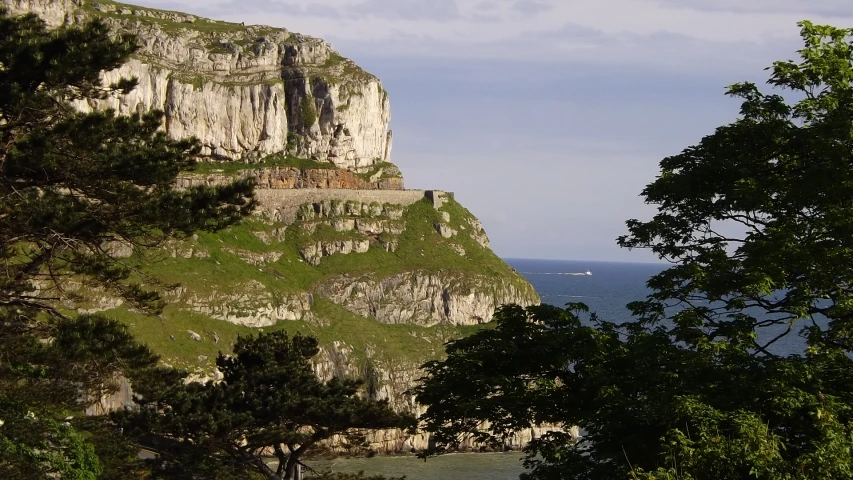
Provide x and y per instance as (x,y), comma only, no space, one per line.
(548,117)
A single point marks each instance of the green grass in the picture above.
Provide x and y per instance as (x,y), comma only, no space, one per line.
(403,344)
(269,161)
(200,24)
(308,111)
(374,169)
(420,248)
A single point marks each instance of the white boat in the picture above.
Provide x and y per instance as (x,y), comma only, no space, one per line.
(588,272)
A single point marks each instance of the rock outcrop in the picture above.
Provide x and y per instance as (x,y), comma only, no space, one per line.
(337,248)
(245,91)
(422,298)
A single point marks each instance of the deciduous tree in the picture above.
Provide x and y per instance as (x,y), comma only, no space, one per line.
(757,220)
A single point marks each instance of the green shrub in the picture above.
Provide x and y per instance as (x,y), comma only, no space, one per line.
(308,111)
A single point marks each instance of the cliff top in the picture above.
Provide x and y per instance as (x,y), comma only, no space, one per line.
(228,39)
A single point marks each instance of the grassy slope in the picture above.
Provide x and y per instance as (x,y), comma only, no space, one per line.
(420,248)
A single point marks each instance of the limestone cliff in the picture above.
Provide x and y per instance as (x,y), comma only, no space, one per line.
(382,276)
(245,91)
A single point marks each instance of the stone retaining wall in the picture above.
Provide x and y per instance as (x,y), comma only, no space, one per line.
(283,204)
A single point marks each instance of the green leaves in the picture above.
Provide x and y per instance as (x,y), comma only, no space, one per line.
(34,447)
(780,179)
(72,182)
(757,221)
(269,398)
(74,185)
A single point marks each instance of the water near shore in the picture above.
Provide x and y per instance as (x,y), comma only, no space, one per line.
(462,466)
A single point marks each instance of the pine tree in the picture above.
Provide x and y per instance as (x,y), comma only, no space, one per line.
(72,186)
(270,400)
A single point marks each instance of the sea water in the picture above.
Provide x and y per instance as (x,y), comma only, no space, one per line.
(607,291)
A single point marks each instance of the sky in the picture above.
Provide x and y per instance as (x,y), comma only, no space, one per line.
(546,118)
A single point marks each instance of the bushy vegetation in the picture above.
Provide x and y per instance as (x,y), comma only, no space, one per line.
(76,188)
(691,389)
(307,112)
(269,399)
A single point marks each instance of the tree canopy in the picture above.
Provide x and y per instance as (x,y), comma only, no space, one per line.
(268,401)
(757,221)
(73,185)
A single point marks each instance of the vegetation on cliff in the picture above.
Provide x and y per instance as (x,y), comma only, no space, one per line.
(77,189)
(757,220)
(269,399)
(214,265)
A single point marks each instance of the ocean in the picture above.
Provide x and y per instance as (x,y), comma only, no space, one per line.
(611,286)
(607,291)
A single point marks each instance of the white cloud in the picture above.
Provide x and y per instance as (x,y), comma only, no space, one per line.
(674,34)
(828,8)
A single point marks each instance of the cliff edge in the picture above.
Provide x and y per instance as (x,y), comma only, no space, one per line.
(338,249)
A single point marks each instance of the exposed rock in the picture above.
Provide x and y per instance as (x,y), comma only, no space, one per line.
(254,258)
(241,90)
(250,304)
(118,249)
(260,95)
(185,249)
(444,230)
(314,252)
(343,224)
(424,298)
(389,243)
(275,235)
(293,177)
(477,232)
(378,226)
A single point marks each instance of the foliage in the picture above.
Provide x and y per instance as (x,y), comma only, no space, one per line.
(756,220)
(350,476)
(73,188)
(307,112)
(757,214)
(72,183)
(42,382)
(118,456)
(33,447)
(269,399)
(421,250)
(724,413)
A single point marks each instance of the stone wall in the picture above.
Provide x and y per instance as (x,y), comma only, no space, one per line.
(283,204)
(385,178)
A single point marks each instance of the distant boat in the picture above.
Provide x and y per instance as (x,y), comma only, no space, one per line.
(588,272)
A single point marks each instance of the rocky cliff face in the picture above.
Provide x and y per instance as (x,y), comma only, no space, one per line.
(245,91)
(382,276)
